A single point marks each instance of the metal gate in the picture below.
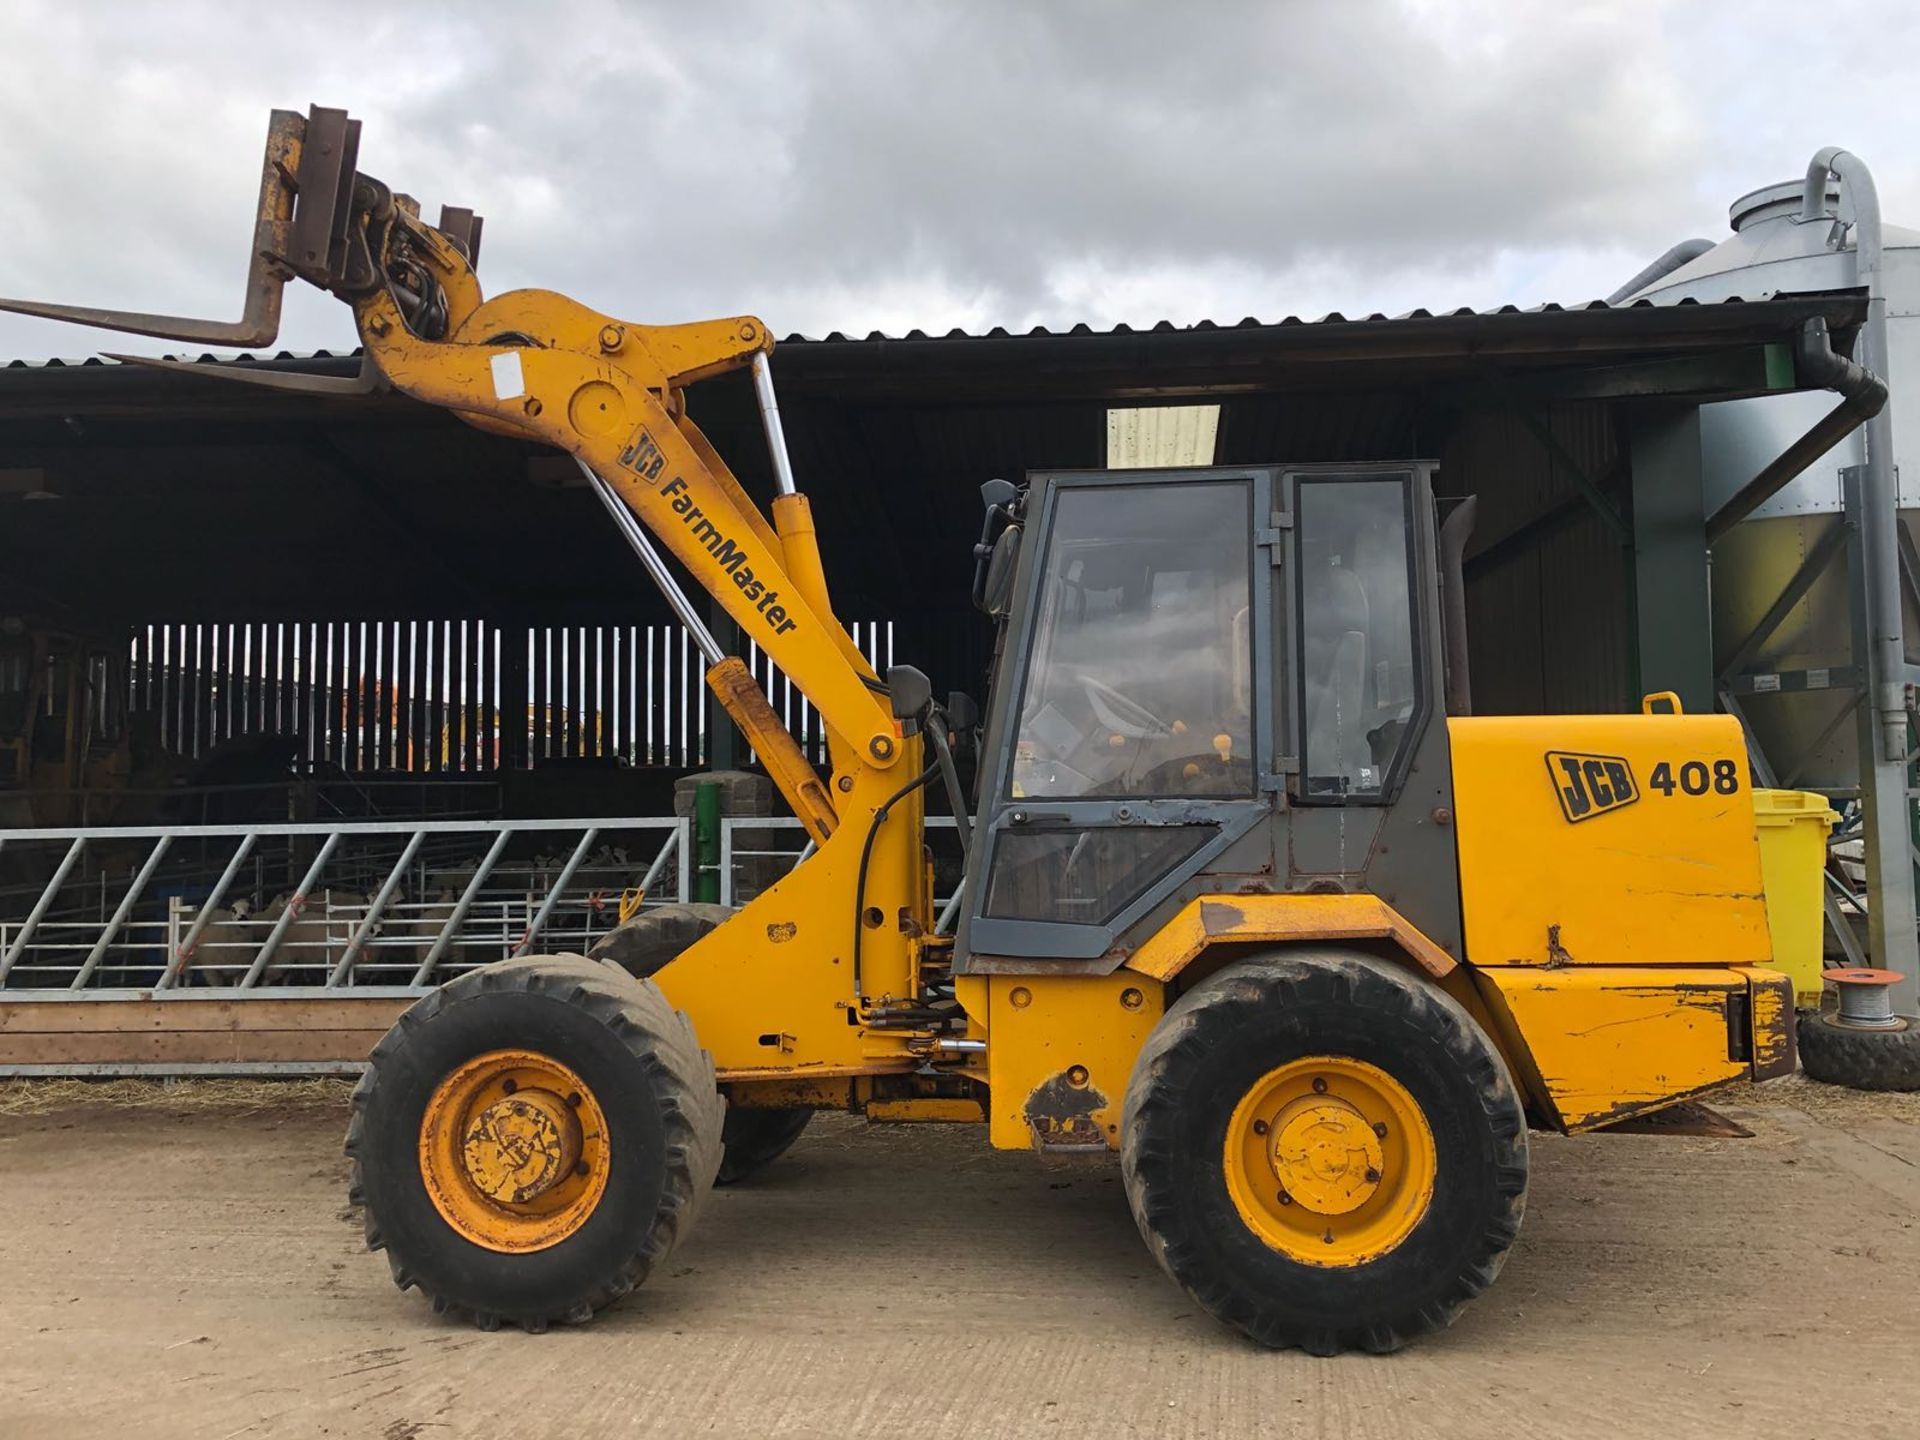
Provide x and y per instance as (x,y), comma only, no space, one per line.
(288,948)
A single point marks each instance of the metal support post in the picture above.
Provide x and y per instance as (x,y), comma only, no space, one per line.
(1673,619)
(707,846)
(725,745)
(1891,922)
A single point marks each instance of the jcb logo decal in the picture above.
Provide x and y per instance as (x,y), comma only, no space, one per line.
(642,456)
(1590,785)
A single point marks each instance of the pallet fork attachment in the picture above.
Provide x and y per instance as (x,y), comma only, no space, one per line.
(309,191)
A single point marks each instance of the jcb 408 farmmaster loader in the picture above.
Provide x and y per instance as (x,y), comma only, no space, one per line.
(1244,904)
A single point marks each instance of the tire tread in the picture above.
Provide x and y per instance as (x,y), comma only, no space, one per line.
(1203,1018)
(659,1037)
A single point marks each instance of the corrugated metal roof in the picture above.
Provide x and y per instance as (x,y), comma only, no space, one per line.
(1042,332)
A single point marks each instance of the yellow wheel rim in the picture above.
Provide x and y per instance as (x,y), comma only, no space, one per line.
(1330,1161)
(513,1151)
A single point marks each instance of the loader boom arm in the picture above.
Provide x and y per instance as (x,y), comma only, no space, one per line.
(611,394)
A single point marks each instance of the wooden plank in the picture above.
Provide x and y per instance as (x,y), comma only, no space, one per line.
(189,1048)
(189,1014)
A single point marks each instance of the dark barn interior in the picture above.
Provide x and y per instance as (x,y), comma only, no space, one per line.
(287,573)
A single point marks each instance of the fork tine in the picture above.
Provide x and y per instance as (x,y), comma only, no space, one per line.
(259,322)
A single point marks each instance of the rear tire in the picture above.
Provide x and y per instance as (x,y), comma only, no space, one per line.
(1408,1147)
(644,945)
(654,1137)
(754,1139)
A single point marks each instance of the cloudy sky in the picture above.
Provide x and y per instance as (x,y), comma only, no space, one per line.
(898,165)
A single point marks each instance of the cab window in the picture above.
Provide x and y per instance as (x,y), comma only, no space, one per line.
(1360,684)
(1138,678)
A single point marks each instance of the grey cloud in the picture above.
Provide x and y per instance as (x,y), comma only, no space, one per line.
(842,165)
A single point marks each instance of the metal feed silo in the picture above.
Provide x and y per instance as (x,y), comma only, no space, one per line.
(1776,247)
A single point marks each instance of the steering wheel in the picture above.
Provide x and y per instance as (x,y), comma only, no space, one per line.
(1212,776)
(1119,713)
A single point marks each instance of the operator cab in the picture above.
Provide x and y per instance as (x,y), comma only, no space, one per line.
(1185,656)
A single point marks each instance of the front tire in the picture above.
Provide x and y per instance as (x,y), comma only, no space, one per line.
(532,1139)
(1324,1151)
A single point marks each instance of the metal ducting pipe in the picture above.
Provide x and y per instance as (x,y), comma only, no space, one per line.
(1684,253)
(1863,396)
(1878,485)
(1879,624)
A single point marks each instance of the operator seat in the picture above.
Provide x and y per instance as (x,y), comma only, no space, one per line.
(1334,622)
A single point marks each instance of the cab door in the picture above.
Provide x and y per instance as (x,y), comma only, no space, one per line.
(1131,741)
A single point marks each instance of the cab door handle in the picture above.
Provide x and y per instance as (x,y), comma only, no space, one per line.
(1038,817)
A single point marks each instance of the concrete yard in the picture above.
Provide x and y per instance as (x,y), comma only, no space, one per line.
(183,1263)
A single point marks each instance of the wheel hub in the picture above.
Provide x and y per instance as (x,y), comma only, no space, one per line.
(1330,1160)
(514,1150)
(520,1147)
(1326,1156)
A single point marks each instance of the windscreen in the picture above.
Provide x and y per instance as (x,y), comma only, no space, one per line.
(1138,674)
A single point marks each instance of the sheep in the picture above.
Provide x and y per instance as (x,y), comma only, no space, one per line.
(225,947)
(315,941)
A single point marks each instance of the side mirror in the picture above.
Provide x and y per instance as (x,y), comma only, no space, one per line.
(910,691)
(999,494)
(998,548)
(996,585)
(963,713)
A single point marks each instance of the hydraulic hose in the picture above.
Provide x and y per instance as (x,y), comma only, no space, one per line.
(866,856)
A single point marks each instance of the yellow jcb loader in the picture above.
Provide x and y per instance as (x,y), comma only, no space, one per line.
(1248,902)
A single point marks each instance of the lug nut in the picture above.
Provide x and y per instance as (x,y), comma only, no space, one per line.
(1319,1086)
(1373,1176)
(573,1099)
(1285,1199)
(1259,1127)
(509,1085)
(1327,1239)
(580,1167)
(1380,1129)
